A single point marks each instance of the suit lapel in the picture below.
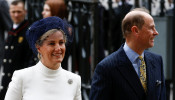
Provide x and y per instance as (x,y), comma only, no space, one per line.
(129,73)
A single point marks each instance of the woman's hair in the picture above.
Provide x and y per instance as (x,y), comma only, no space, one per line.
(58,8)
(40,41)
(137,20)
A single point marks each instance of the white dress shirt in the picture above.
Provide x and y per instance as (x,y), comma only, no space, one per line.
(133,57)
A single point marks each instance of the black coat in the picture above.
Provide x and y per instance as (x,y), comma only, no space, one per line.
(5,24)
(17,55)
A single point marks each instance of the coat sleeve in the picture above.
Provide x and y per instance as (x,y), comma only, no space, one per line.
(78,92)
(14,91)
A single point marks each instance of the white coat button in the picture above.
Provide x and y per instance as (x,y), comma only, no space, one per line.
(4,60)
(1,87)
(6,47)
(2,74)
(9,74)
(10,61)
(12,47)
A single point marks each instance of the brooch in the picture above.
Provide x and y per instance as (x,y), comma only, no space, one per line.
(70,81)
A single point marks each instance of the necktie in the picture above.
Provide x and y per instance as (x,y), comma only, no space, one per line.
(143,73)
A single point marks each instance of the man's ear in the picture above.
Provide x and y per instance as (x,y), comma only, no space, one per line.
(134,29)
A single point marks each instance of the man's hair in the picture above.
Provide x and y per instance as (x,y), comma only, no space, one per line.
(135,20)
(15,2)
(141,9)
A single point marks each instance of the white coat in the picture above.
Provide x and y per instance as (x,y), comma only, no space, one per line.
(40,83)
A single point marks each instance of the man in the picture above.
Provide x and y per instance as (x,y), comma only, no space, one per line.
(17,54)
(5,24)
(122,75)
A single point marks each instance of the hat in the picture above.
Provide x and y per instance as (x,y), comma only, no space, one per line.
(38,28)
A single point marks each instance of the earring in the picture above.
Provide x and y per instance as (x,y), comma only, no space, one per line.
(39,56)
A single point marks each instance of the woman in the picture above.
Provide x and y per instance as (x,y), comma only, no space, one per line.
(46,80)
(58,8)
(55,8)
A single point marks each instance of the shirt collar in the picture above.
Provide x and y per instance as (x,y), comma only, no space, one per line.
(132,55)
(15,26)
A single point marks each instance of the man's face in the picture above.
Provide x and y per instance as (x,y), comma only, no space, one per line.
(17,13)
(148,33)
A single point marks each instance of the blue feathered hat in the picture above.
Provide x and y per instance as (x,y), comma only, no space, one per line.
(38,28)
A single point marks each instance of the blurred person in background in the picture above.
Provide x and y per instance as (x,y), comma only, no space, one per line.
(57,8)
(112,25)
(17,54)
(5,24)
(46,80)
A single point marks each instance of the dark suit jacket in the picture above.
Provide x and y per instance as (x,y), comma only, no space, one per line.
(115,79)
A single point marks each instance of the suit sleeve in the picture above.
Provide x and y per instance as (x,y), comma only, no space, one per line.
(101,84)
(14,91)
(163,88)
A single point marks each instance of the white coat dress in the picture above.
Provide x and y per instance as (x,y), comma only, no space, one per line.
(40,83)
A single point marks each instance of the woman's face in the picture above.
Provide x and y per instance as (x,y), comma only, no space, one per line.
(53,49)
(46,11)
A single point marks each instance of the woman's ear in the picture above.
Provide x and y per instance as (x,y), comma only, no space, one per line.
(38,48)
